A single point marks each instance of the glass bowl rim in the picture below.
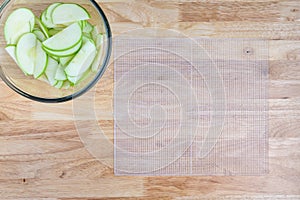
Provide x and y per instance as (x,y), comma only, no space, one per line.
(84,89)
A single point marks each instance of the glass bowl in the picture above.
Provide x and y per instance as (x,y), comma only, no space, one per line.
(38,90)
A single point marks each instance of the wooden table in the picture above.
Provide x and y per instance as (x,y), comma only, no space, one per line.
(41,155)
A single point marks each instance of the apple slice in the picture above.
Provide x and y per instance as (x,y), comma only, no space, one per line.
(59,84)
(66,53)
(19,22)
(60,73)
(82,60)
(54,57)
(53,31)
(50,9)
(39,34)
(88,28)
(66,85)
(69,13)
(42,27)
(47,22)
(99,39)
(97,61)
(64,40)
(51,71)
(65,60)
(31,58)
(11,50)
(26,52)
(40,60)
(46,16)
(75,80)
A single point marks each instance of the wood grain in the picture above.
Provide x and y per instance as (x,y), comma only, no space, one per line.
(274,11)
(42,156)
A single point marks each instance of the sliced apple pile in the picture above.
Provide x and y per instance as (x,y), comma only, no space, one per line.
(61,47)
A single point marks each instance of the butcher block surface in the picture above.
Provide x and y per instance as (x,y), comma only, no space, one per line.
(42,156)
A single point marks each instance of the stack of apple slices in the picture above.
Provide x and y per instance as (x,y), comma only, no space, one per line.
(61,47)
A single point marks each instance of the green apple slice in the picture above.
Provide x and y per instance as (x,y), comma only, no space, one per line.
(51,71)
(39,34)
(50,9)
(81,23)
(41,60)
(99,39)
(86,38)
(99,42)
(19,22)
(96,62)
(82,60)
(66,85)
(53,31)
(46,16)
(60,28)
(66,53)
(55,58)
(78,79)
(88,28)
(64,40)
(59,84)
(30,55)
(88,35)
(42,27)
(65,60)
(74,80)
(60,73)
(11,50)
(46,22)
(26,52)
(69,13)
